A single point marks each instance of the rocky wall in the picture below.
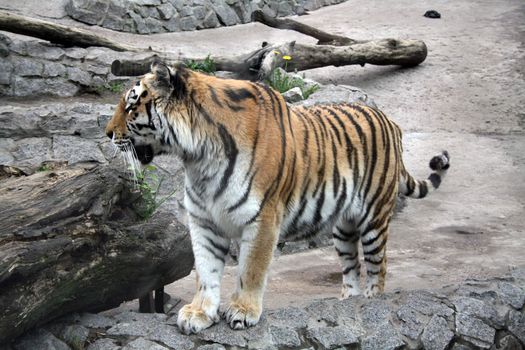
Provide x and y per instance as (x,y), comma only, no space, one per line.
(159,16)
(476,314)
(33,68)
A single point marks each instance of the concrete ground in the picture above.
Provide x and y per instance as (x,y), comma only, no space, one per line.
(467,97)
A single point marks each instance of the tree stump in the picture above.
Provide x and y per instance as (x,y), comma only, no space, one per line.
(69,242)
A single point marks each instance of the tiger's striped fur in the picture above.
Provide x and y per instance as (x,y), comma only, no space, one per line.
(257,169)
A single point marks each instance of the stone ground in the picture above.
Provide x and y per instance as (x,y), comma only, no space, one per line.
(467,97)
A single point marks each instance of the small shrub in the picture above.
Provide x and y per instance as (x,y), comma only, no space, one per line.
(205,66)
(44,167)
(148,184)
(283,82)
(113,87)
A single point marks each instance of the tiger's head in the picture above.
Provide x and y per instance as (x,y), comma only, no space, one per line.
(139,123)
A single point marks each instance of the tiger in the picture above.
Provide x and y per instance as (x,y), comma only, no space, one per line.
(257,170)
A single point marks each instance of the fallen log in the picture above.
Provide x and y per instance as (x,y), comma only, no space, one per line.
(69,242)
(259,64)
(287,23)
(55,33)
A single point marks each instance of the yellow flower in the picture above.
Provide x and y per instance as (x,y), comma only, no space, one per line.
(287,58)
(276,52)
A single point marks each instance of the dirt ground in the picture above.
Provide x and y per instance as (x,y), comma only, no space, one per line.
(467,97)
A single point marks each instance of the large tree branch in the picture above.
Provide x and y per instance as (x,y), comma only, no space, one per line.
(286,23)
(55,33)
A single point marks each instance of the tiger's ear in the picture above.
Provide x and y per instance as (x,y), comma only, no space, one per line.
(170,80)
(161,72)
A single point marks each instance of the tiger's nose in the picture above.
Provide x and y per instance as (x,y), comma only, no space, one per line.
(109,133)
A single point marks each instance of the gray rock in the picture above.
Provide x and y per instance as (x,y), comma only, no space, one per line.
(516,325)
(413,322)
(331,337)
(53,69)
(19,47)
(59,87)
(97,69)
(102,56)
(118,8)
(75,149)
(43,51)
(289,317)
(511,294)
(226,15)
(293,95)
(284,9)
(138,320)
(322,311)
(114,22)
(284,337)
(478,308)
(210,20)
(332,94)
(199,12)
(375,314)
(103,344)
(153,25)
(6,145)
(178,4)
(171,337)
(221,333)
(140,25)
(31,151)
(76,53)
(41,340)
(428,304)
(6,67)
(26,67)
(475,331)
(79,76)
(211,347)
(166,11)
(437,334)
(186,11)
(173,25)
(508,342)
(386,338)
(95,320)
(188,23)
(143,344)
(75,335)
(148,2)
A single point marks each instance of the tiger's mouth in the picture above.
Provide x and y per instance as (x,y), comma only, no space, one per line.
(144,153)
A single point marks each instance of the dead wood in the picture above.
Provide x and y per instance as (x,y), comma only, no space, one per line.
(70,243)
(55,33)
(287,23)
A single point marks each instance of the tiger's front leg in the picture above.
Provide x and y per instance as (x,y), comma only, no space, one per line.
(256,251)
(210,252)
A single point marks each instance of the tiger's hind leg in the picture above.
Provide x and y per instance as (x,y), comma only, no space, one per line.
(373,241)
(346,239)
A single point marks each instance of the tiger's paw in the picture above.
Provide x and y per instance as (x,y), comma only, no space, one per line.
(349,291)
(241,315)
(193,320)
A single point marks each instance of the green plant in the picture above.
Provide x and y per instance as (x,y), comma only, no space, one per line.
(114,87)
(283,82)
(148,185)
(206,66)
(44,167)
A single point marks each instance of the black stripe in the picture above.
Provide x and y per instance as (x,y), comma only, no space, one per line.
(224,250)
(239,95)
(212,251)
(351,267)
(435,178)
(340,238)
(244,198)
(214,97)
(194,200)
(231,151)
(319,205)
(423,189)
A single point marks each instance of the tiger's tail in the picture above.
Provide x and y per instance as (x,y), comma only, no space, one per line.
(421,188)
